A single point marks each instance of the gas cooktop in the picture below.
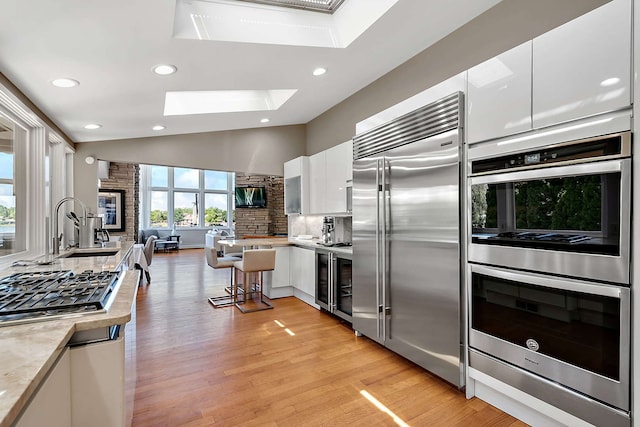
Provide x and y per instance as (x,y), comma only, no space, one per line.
(41,295)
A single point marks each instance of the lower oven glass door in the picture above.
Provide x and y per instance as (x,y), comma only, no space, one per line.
(573,332)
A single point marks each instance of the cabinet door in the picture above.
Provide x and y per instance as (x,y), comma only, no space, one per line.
(317,183)
(583,67)
(51,405)
(303,270)
(339,162)
(322,280)
(296,186)
(499,95)
(98,370)
(280,275)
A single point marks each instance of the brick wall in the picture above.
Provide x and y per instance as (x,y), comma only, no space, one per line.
(126,176)
(268,221)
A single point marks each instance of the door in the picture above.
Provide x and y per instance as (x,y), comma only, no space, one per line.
(424,267)
(343,287)
(322,280)
(367,297)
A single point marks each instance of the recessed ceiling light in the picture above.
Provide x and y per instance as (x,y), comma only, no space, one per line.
(165,69)
(265,120)
(92,126)
(64,82)
(319,71)
(610,82)
(158,127)
(224,101)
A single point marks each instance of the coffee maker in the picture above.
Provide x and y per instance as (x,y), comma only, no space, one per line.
(336,230)
(91,234)
(328,227)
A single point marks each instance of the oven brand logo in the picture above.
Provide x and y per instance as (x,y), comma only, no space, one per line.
(533,344)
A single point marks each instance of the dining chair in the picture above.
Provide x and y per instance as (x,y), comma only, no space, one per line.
(216,262)
(255,261)
(148,254)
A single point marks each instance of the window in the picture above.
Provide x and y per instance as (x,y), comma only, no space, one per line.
(8,243)
(25,182)
(184,197)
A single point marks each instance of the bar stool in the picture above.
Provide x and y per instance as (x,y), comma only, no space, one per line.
(255,261)
(222,262)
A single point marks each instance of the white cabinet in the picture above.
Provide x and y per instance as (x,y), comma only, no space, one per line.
(303,272)
(296,186)
(339,173)
(577,70)
(277,283)
(51,404)
(583,68)
(97,384)
(317,182)
(330,172)
(499,95)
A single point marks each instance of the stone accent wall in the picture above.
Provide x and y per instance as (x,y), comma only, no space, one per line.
(262,222)
(126,176)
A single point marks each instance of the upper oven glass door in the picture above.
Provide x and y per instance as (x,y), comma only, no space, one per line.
(572,220)
(573,332)
(573,208)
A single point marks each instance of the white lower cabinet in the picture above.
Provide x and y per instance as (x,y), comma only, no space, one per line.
(97,384)
(51,405)
(303,274)
(277,283)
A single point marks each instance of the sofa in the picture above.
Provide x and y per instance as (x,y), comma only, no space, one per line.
(165,239)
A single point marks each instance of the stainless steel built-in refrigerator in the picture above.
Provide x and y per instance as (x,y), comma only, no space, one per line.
(406,237)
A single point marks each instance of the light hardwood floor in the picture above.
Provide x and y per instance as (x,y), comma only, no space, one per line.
(290,366)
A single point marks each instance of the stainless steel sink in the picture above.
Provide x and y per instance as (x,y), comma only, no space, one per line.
(83,253)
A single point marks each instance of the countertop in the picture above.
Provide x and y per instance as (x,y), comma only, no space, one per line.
(29,350)
(284,241)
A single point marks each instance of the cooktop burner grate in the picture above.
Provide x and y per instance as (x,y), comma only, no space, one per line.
(55,292)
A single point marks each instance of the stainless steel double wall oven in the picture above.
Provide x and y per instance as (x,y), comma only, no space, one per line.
(549,274)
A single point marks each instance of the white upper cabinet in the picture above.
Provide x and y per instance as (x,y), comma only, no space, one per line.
(330,172)
(499,95)
(583,67)
(317,182)
(339,174)
(296,186)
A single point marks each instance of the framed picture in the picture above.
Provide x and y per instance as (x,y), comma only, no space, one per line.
(111,208)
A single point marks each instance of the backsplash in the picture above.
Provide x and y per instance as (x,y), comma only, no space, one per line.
(312,225)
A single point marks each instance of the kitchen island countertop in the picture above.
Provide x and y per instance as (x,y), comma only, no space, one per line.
(30,350)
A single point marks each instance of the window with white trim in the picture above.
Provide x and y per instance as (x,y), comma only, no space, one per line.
(185,197)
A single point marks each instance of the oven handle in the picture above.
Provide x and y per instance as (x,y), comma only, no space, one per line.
(609,166)
(551,282)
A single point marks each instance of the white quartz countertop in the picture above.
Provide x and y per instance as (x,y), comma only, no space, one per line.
(315,244)
(29,350)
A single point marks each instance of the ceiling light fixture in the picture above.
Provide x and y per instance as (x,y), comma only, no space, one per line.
(319,71)
(65,83)
(265,120)
(92,126)
(89,160)
(165,69)
(158,127)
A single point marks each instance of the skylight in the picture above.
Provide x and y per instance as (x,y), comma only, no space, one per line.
(328,6)
(224,101)
(259,21)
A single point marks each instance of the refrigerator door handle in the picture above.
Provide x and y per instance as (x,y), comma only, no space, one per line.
(384,192)
(377,227)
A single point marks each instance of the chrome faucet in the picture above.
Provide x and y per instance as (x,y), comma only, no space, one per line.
(56,238)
